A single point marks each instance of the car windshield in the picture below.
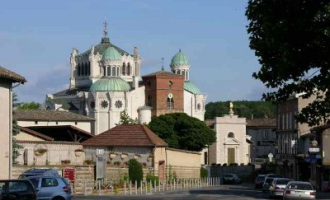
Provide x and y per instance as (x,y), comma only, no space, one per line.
(282,182)
(269,180)
(261,178)
(300,186)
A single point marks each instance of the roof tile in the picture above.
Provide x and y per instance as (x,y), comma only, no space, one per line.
(49,115)
(7,74)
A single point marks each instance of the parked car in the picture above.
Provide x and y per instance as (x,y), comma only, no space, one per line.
(231,178)
(39,172)
(299,190)
(268,181)
(51,187)
(259,181)
(17,190)
(277,187)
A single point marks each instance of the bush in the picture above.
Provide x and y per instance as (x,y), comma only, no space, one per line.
(152,178)
(204,173)
(135,171)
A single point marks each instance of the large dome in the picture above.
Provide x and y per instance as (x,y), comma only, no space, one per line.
(111,53)
(190,87)
(179,59)
(110,84)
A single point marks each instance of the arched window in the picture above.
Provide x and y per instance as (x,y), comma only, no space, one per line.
(25,156)
(89,68)
(117,71)
(113,73)
(108,71)
(231,135)
(82,73)
(78,70)
(129,69)
(199,106)
(149,101)
(170,103)
(123,69)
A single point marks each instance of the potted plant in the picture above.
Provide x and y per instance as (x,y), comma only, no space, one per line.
(65,162)
(112,155)
(137,156)
(88,162)
(123,155)
(40,151)
(78,152)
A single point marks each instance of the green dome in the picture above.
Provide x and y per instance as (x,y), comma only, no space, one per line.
(179,59)
(190,87)
(111,53)
(110,84)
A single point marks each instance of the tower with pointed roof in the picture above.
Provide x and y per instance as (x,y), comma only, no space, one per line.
(105,80)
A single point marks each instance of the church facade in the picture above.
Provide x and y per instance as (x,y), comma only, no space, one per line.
(106,80)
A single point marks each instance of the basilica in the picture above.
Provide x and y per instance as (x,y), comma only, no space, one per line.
(106,80)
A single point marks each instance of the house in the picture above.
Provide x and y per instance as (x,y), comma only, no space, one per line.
(51,145)
(27,118)
(7,78)
(263,137)
(292,139)
(124,142)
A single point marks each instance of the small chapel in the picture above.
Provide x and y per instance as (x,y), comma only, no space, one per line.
(105,80)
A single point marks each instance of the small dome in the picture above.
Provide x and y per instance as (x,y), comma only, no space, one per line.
(179,59)
(111,54)
(190,87)
(110,84)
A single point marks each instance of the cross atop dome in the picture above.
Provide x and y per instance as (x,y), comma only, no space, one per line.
(105,30)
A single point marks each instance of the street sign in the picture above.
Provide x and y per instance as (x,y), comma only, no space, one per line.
(314,149)
(270,156)
(99,152)
(69,173)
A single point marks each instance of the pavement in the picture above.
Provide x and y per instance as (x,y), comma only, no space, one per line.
(243,191)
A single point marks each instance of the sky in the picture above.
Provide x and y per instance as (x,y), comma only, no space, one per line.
(37,37)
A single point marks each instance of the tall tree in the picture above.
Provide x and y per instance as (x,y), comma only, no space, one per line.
(28,106)
(126,119)
(15,131)
(247,109)
(291,38)
(182,131)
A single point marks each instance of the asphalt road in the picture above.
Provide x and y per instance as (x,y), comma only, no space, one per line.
(238,192)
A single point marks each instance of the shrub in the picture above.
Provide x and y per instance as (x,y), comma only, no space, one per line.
(135,171)
(224,164)
(204,173)
(152,178)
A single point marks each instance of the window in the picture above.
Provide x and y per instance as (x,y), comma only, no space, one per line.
(123,69)
(128,69)
(35,122)
(170,83)
(117,71)
(231,135)
(205,158)
(170,103)
(113,73)
(199,106)
(78,70)
(283,121)
(49,182)
(35,182)
(279,122)
(108,71)
(89,68)
(149,101)
(76,123)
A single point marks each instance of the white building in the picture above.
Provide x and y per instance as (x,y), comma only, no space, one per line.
(105,80)
(232,145)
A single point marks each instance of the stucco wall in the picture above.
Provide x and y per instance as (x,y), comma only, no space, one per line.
(27,137)
(190,105)
(5,124)
(56,152)
(86,126)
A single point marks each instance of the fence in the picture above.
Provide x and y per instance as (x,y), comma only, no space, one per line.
(133,188)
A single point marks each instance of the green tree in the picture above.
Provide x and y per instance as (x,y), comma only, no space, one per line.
(15,131)
(291,38)
(247,109)
(182,131)
(28,106)
(125,119)
(204,173)
(135,171)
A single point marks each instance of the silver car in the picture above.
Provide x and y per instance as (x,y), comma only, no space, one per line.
(299,190)
(277,187)
(51,187)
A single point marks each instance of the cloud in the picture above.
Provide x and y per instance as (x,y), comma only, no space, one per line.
(50,82)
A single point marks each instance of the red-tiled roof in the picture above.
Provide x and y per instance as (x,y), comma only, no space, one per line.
(7,74)
(49,115)
(126,135)
(36,134)
(261,122)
